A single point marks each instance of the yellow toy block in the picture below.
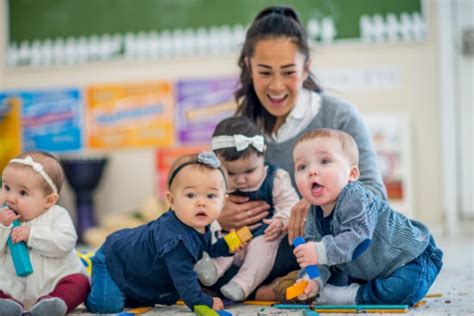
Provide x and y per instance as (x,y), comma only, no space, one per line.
(232,241)
(296,289)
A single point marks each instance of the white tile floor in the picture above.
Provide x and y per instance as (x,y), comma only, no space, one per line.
(455,283)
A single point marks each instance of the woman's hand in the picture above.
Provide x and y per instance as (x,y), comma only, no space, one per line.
(297,220)
(239,212)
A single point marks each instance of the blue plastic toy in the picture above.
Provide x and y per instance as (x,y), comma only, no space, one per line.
(20,256)
(312,271)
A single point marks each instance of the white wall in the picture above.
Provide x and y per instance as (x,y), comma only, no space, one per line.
(464,18)
(128,179)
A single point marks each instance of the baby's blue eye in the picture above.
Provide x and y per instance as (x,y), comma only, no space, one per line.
(211,196)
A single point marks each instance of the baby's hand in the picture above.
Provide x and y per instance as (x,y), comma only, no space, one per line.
(274,229)
(306,254)
(310,291)
(217,304)
(241,246)
(21,233)
(7,216)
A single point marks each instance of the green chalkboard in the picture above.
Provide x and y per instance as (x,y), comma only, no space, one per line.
(42,19)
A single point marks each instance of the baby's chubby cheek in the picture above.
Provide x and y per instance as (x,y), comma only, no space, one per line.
(300,184)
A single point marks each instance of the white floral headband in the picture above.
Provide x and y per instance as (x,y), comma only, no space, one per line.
(239,142)
(37,167)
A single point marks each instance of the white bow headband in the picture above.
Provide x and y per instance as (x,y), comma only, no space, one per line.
(239,142)
(37,167)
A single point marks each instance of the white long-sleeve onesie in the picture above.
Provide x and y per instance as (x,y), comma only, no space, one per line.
(51,246)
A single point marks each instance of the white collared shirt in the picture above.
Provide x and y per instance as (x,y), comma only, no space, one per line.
(306,108)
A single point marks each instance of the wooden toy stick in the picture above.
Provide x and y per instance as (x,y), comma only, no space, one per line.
(347,308)
(203,310)
(244,234)
(296,289)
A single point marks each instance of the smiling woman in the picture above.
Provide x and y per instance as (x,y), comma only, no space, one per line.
(281,95)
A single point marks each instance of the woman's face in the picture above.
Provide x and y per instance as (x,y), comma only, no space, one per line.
(278,71)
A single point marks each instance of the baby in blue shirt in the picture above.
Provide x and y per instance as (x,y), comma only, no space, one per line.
(154,263)
(389,258)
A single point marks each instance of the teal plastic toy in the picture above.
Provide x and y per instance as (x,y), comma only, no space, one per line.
(20,255)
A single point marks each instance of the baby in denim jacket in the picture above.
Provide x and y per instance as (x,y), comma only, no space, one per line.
(153,263)
(389,258)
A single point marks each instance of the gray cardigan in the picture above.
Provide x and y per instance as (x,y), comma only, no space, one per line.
(367,238)
(341,115)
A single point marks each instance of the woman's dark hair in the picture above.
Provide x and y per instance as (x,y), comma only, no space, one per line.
(271,23)
(237,125)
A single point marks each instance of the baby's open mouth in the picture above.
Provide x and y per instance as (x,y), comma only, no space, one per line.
(316,189)
(201,214)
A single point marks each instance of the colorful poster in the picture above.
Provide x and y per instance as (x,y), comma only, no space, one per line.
(391,137)
(51,120)
(10,128)
(130,115)
(201,104)
(164,158)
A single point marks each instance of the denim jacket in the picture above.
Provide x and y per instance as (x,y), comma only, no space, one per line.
(154,263)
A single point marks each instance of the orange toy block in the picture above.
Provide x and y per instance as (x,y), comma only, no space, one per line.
(244,234)
(296,289)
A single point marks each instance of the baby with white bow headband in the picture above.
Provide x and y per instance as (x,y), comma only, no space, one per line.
(30,189)
(240,146)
